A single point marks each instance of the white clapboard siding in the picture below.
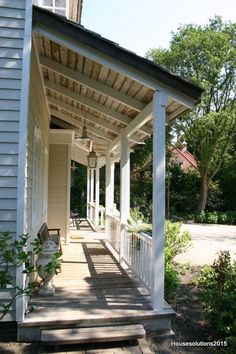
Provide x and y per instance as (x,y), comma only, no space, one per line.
(9,137)
(8,116)
(7,193)
(11,148)
(8,204)
(9,127)
(11,95)
(7,182)
(7,225)
(11,105)
(10,74)
(8,12)
(8,160)
(11,53)
(11,33)
(11,43)
(12,23)
(8,171)
(10,63)
(16,4)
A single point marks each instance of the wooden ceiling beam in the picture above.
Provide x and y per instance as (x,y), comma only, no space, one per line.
(61,123)
(79,124)
(86,116)
(119,117)
(92,84)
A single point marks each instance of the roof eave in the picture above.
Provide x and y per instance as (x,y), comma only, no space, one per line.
(78,33)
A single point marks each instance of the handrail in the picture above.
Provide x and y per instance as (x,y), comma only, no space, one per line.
(145,237)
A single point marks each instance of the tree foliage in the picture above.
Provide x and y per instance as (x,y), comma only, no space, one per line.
(206,56)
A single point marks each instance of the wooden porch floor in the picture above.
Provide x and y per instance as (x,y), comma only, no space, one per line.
(91,288)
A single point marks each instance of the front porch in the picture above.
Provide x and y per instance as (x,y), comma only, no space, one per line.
(93,290)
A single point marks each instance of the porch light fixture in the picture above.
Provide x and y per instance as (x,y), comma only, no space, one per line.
(84,135)
(92,159)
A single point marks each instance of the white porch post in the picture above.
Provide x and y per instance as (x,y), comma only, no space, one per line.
(92,195)
(92,186)
(88,192)
(97,186)
(124,189)
(158,217)
(109,198)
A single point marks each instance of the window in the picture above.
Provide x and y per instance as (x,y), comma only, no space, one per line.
(60,7)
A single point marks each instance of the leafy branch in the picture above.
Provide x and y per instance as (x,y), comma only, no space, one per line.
(14,254)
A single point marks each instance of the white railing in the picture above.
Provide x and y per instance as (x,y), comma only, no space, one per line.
(91,207)
(113,231)
(91,212)
(102,216)
(138,255)
(137,248)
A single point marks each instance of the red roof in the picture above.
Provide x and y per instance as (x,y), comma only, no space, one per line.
(184,157)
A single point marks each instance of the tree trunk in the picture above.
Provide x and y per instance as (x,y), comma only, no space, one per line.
(203,193)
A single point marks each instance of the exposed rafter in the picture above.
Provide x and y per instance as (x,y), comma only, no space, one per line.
(92,84)
(86,116)
(119,117)
(109,112)
(79,124)
(61,123)
(89,117)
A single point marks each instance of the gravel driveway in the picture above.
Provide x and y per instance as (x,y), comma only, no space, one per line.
(207,240)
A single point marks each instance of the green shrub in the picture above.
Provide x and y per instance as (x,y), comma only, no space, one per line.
(201,217)
(218,285)
(212,218)
(216,217)
(172,281)
(175,242)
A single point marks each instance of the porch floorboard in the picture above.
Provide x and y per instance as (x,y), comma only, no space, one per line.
(92,287)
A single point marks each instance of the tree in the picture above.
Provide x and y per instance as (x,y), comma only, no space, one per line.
(206,56)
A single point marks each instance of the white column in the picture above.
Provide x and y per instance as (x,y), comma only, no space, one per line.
(92,187)
(158,216)
(109,197)
(88,191)
(124,189)
(97,186)
(92,195)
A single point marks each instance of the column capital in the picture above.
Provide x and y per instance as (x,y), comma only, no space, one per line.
(160,98)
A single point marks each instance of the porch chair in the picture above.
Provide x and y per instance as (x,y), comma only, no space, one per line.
(75,219)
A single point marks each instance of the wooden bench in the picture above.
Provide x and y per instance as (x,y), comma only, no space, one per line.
(46,234)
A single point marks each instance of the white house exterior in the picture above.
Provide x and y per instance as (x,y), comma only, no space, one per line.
(52,70)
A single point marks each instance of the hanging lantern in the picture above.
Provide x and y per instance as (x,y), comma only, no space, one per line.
(92,159)
(84,136)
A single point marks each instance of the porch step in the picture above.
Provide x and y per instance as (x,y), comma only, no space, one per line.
(92,334)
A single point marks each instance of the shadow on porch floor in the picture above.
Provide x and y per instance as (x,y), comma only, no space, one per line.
(91,283)
(92,290)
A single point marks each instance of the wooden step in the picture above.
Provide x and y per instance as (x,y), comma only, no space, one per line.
(92,334)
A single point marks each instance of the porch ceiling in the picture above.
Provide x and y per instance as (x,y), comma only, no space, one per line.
(81,90)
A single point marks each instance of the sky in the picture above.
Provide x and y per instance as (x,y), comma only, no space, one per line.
(139,25)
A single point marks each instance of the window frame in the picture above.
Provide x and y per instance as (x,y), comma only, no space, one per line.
(54,8)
